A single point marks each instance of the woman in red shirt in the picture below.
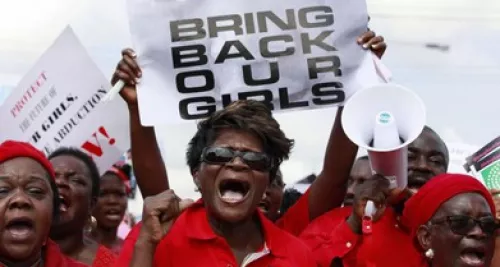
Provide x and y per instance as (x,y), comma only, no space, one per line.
(28,204)
(77,180)
(111,206)
(452,222)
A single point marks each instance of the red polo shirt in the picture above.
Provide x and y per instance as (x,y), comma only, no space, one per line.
(294,221)
(191,242)
(389,245)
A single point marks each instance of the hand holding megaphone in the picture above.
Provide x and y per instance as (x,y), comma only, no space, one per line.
(374,191)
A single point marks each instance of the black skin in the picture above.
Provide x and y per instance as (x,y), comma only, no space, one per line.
(361,171)
(427,157)
(448,246)
(25,192)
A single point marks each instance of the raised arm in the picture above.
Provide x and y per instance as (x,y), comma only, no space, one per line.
(149,167)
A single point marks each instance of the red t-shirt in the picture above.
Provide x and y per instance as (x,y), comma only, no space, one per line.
(389,245)
(55,258)
(104,257)
(191,242)
(294,221)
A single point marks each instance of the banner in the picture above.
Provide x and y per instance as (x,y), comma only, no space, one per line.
(58,104)
(198,56)
(485,164)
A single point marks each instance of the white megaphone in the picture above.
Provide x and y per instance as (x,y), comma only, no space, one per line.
(384,119)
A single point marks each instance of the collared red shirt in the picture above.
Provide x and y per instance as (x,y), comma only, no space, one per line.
(192,242)
(294,221)
(389,245)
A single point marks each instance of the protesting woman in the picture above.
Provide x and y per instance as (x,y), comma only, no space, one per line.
(111,206)
(29,202)
(452,222)
(77,180)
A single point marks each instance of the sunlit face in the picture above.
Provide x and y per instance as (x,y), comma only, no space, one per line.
(455,244)
(232,191)
(273,197)
(26,207)
(426,159)
(360,172)
(111,203)
(75,190)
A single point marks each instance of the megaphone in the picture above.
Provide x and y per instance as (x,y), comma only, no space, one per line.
(384,119)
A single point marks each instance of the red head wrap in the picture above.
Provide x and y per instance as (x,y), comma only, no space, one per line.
(121,174)
(14,149)
(420,208)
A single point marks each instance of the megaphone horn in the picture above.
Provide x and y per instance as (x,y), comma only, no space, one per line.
(384,119)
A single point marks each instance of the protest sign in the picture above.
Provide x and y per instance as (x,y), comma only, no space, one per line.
(485,164)
(199,56)
(58,104)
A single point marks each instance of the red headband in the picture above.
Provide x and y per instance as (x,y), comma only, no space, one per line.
(122,177)
(420,208)
(15,149)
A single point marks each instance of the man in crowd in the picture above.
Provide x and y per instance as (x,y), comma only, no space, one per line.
(350,242)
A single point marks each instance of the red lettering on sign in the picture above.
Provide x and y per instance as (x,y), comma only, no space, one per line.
(28,94)
(94,148)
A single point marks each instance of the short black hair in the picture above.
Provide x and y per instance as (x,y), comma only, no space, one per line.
(87,161)
(247,115)
(446,152)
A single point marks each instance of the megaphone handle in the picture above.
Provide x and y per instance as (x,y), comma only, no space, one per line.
(366,225)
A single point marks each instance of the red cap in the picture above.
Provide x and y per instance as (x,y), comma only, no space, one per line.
(420,208)
(15,149)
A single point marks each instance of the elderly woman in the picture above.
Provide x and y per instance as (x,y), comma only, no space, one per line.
(29,202)
(452,222)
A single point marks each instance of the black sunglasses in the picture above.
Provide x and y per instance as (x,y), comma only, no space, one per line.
(222,155)
(462,224)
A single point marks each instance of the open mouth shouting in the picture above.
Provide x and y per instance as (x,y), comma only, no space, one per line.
(20,229)
(113,214)
(65,203)
(233,191)
(474,256)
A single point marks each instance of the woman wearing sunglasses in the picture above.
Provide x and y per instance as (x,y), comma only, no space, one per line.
(452,222)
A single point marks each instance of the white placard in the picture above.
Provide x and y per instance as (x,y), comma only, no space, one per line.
(58,104)
(199,55)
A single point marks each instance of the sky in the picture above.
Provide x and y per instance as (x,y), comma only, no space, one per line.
(459,86)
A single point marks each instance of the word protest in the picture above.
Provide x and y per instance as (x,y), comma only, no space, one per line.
(58,104)
(199,56)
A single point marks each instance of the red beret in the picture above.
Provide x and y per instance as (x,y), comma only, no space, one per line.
(14,149)
(420,208)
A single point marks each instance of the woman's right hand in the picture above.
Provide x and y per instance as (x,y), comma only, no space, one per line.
(159,213)
(128,71)
(376,189)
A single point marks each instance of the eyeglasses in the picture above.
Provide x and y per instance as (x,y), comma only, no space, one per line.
(222,155)
(462,225)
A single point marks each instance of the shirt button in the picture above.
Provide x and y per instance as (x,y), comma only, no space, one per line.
(229,265)
(348,245)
